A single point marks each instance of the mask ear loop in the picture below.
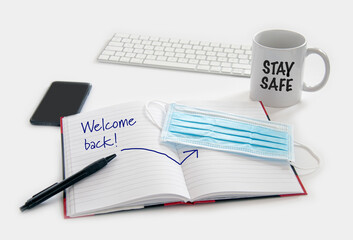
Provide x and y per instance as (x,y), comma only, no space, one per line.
(297,144)
(161,104)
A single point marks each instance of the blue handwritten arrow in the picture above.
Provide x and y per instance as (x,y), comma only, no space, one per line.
(151,150)
(192,152)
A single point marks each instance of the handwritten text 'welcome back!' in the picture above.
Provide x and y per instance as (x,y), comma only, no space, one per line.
(108,139)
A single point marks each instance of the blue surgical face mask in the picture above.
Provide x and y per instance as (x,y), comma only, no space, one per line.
(227,132)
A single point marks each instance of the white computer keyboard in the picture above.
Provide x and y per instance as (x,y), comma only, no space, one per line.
(198,56)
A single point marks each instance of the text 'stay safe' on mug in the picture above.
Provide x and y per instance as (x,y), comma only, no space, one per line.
(277,68)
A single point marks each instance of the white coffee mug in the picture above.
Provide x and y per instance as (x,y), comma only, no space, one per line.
(277,68)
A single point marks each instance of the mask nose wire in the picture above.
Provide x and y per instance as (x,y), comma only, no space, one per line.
(162,105)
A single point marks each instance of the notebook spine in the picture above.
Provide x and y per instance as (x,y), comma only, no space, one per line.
(63,168)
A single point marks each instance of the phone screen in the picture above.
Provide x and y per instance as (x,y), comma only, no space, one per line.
(62,99)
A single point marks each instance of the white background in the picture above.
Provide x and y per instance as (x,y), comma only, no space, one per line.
(45,41)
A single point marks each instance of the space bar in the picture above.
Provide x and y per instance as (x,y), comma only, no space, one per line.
(169,64)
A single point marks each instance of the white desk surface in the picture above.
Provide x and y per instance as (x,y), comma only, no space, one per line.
(42,41)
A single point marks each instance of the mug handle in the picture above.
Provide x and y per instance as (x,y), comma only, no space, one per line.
(324,57)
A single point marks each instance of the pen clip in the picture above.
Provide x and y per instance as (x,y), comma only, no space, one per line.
(44,190)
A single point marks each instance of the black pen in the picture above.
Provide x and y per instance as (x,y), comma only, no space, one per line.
(58,187)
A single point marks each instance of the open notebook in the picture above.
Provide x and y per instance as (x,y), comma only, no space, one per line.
(149,173)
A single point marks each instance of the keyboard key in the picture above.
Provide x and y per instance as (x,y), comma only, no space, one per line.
(144,37)
(211,58)
(201,52)
(174,40)
(151,57)
(146,42)
(177,45)
(169,49)
(229,50)
(241,66)
(242,56)
(169,54)
(187,46)
(164,39)
(131,55)
(200,57)
(183,41)
(103,57)
(136,60)
(161,58)
(226,64)
(140,46)
(203,67)
(180,55)
(126,40)
(190,56)
(237,46)
(204,43)
(158,48)
(183,60)
(141,56)
(197,47)
(117,44)
(221,54)
(136,41)
(170,64)
(154,43)
(246,47)
(244,61)
(125,59)
(113,48)
(226,70)
(172,59)
(148,47)
(193,61)
(215,69)
(107,52)
(114,58)
(179,50)
(210,53)
(239,51)
(237,71)
(166,44)
(190,51)
(128,49)
(159,53)
(215,44)
(120,54)
(139,50)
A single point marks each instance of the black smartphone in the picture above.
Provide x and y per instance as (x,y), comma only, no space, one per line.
(62,99)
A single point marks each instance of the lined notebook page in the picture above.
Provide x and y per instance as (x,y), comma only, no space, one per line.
(216,174)
(133,175)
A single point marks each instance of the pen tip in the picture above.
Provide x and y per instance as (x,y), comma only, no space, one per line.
(111,157)
(23,208)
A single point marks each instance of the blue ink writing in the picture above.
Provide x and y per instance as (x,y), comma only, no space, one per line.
(100,126)
(96,126)
(103,143)
(154,151)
